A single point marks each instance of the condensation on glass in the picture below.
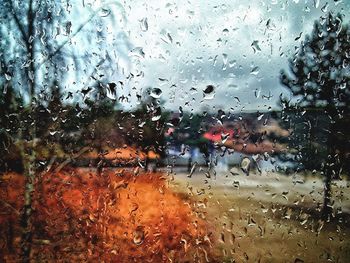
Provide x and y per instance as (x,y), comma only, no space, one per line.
(151,131)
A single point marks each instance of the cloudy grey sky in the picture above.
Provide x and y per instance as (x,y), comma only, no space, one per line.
(237,46)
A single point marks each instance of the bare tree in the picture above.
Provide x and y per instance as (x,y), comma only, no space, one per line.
(36,50)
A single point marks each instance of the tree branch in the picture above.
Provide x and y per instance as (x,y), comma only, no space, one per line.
(10,206)
(18,23)
(93,72)
(67,40)
(75,33)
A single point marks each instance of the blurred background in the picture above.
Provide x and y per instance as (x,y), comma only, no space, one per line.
(174,132)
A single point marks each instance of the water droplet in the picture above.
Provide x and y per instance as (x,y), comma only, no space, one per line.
(156,93)
(52,133)
(68,26)
(236,183)
(260,115)
(156,117)
(209,89)
(138,235)
(105,12)
(245,165)
(255,46)
(324,8)
(144,24)
(224,137)
(166,37)
(224,60)
(209,92)
(136,170)
(255,71)
(142,124)
(193,169)
(298,37)
(138,52)
(8,76)
(316,3)
(111,91)
(257,93)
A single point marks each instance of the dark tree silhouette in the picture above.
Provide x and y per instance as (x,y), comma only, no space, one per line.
(319,81)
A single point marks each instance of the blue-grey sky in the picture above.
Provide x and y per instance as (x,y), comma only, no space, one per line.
(237,46)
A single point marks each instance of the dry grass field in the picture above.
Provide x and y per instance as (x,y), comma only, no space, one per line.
(270,217)
(125,215)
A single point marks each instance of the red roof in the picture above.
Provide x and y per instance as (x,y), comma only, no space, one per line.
(214,134)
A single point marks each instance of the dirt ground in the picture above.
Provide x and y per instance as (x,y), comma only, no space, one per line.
(269,217)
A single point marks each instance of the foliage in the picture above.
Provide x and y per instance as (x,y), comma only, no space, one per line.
(319,82)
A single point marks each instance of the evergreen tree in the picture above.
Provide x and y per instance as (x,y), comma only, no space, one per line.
(319,82)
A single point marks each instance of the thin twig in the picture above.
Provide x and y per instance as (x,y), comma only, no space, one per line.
(18,23)
(10,206)
(68,39)
(69,159)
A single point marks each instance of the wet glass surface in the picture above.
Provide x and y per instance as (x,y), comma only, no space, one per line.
(175,131)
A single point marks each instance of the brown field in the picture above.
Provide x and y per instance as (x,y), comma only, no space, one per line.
(132,216)
(119,216)
(270,217)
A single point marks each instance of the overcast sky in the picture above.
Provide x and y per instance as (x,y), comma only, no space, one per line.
(237,46)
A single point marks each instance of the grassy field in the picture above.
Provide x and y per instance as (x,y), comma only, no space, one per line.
(127,215)
(269,217)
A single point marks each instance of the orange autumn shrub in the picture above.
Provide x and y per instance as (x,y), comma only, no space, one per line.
(117,216)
